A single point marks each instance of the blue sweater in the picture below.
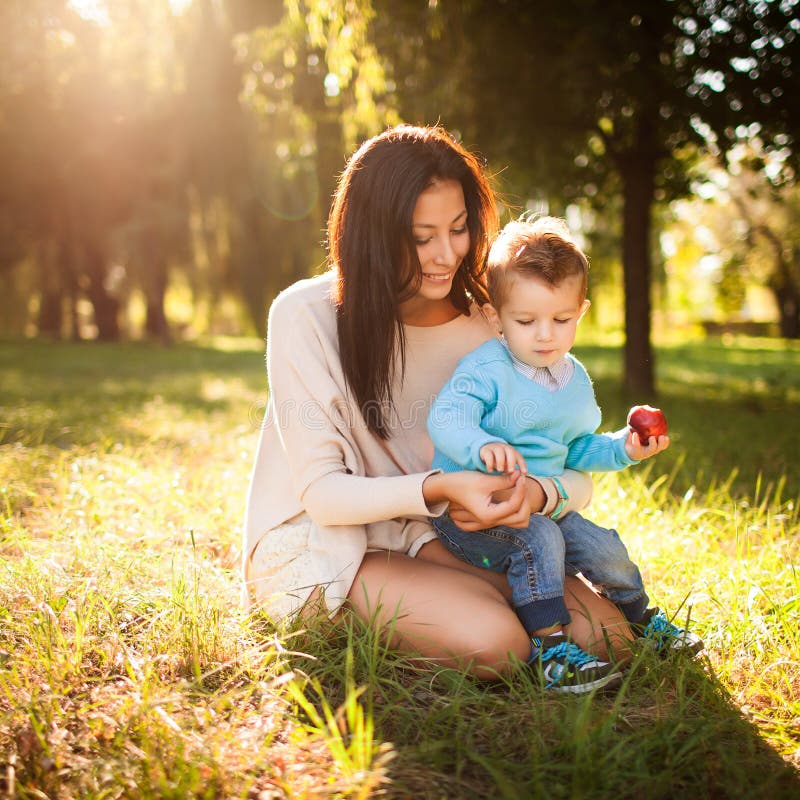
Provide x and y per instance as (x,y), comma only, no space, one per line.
(488,400)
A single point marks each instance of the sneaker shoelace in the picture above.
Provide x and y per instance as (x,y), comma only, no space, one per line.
(661,628)
(569,652)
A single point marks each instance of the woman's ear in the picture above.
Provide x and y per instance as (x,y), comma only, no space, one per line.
(494,318)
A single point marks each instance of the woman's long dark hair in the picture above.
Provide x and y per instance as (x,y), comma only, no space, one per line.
(371,247)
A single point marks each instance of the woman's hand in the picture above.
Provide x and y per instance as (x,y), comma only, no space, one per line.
(473,505)
(533,488)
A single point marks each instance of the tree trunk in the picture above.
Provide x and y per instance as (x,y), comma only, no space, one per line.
(75,327)
(637,169)
(106,306)
(156,325)
(252,242)
(67,269)
(330,158)
(50,321)
(783,285)
(51,314)
(788,304)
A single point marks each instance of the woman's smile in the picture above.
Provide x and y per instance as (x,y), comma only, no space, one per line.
(438,277)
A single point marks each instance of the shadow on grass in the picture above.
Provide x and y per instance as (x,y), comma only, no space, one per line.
(728,406)
(68,394)
(672,730)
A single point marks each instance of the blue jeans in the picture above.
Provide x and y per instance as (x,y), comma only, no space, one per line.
(536,559)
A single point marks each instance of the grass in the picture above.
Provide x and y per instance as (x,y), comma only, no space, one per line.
(127,669)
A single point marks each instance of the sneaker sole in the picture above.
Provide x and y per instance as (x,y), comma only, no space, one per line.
(689,649)
(606,682)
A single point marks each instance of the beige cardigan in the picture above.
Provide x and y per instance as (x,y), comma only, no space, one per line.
(315,453)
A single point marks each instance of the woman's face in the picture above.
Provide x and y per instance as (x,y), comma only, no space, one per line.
(441,237)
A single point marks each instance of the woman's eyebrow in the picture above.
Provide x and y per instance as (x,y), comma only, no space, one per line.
(428,225)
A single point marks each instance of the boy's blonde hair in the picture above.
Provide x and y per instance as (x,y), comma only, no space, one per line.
(541,248)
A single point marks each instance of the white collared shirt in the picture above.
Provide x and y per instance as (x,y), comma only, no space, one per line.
(554,377)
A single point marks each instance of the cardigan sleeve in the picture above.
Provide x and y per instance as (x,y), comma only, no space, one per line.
(314,423)
(342,499)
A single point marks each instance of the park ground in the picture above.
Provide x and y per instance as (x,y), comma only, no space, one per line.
(128,669)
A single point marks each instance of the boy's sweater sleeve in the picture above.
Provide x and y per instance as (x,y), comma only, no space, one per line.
(599,452)
(454,422)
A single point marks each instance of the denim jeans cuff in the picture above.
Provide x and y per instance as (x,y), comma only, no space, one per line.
(634,609)
(543,614)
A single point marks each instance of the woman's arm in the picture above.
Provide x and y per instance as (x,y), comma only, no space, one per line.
(339,498)
(342,499)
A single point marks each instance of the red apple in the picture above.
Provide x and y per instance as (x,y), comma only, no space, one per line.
(647,421)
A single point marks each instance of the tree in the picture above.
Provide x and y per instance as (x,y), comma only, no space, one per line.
(314,84)
(608,96)
(755,221)
(78,99)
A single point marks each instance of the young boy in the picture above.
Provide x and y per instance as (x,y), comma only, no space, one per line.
(524,402)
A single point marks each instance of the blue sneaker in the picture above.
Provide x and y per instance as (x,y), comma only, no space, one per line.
(656,628)
(566,668)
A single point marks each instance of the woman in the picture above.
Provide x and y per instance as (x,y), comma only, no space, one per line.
(342,492)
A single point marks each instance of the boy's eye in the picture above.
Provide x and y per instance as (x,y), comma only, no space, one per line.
(524,321)
(562,321)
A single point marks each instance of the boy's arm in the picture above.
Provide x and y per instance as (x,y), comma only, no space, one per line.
(600,452)
(606,452)
(454,422)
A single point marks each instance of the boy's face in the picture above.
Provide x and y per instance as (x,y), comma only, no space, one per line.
(539,321)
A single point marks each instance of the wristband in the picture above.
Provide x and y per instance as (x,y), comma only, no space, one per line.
(563,497)
(555,496)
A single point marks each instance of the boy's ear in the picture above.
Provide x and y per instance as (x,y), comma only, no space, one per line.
(584,308)
(494,318)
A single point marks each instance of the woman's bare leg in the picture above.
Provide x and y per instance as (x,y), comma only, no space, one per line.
(446,614)
(596,621)
(447,610)
(435,551)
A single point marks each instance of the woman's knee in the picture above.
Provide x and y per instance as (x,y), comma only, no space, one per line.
(597,624)
(490,645)
(448,616)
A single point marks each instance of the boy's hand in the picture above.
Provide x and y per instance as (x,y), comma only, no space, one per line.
(501,457)
(638,451)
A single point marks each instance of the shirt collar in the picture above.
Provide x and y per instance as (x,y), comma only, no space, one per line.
(556,374)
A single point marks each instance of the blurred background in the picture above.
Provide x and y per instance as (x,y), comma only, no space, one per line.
(166,166)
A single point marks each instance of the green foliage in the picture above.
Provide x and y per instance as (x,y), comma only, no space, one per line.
(146,146)
(143,142)
(601,100)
